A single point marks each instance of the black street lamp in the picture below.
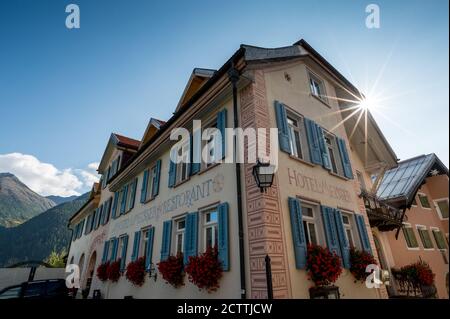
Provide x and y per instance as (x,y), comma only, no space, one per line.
(263,173)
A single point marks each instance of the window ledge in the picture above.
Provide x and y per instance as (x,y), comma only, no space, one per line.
(338,176)
(302,161)
(204,170)
(320,100)
(181,183)
(413,248)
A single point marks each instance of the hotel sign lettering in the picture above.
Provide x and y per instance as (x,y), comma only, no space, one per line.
(185,199)
(315,185)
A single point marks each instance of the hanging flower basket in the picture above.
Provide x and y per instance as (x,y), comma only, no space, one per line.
(136,271)
(102,271)
(205,270)
(323,267)
(171,270)
(359,260)
(114,271)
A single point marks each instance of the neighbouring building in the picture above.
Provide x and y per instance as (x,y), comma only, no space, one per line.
(418,188)
(145,205)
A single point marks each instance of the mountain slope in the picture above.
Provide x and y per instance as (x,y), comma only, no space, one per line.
(59,200)
(36,238)
(18,203)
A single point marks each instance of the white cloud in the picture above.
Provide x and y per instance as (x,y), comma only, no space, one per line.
(45,179)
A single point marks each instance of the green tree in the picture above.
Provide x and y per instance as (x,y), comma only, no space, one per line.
(56,259)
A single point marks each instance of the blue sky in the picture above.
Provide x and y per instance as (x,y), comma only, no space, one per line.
(62,92)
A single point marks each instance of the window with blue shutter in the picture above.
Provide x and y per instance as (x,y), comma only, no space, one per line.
(115,204)
(96,216)
(136,242)
(123,257)
(191,236)
(222,237)
(107,213)
(172,173)
(298,232)
(144,186)
(345,158)
(344,244)
(155,186)
(133,193)
(329,225)
(88,224)
(123,202)
(323,148)
(105,251)
(313,142)
(362,230)
(149,252)
(115,245)
(283,128)
(166,239)
(196,151)
(221,126)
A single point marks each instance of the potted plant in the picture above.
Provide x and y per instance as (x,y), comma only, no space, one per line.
(135,272)
(171,270)
(114,271)
(102,271)
(359,260)
(323,268)
(205,270)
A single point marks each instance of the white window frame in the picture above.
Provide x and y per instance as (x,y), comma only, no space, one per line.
(423,194)
(120,248)
(211,158)
(212,224)
(151,177)
(143,241)
(438,209)
(423,227)
(408,225)
(351,227)
(312,77)
(316,220)
(183,164)
(301,130)
(415,199)
(179,232)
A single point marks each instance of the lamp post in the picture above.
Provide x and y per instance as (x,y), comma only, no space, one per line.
(263,174)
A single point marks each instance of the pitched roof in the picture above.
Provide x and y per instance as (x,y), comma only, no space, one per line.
(405,180)
(127,141)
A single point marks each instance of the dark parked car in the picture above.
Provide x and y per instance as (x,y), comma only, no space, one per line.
(39,289)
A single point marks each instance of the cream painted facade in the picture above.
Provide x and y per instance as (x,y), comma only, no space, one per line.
(267,225)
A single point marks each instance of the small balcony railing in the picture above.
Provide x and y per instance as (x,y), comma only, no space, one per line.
(381,214)
(402,286)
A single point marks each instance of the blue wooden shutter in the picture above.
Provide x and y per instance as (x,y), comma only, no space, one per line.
(115,243)
(323,148)
(87,230)
(345,246)
(108,211)
(96,216)
(149,252)
(115,204)
(155,186)
(223,241)
(136,242)
(191,236)
(123,257)
(196,151)
(329,225)
(172,173)
(105,251)
(144,186)
(221,125)
(345,158)
(81,228)
(313,142)
(362,230)
(298,232)
(166,239)
(123,203)
(283,128)
(133,192)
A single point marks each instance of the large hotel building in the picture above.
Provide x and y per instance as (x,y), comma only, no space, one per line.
(334,187)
